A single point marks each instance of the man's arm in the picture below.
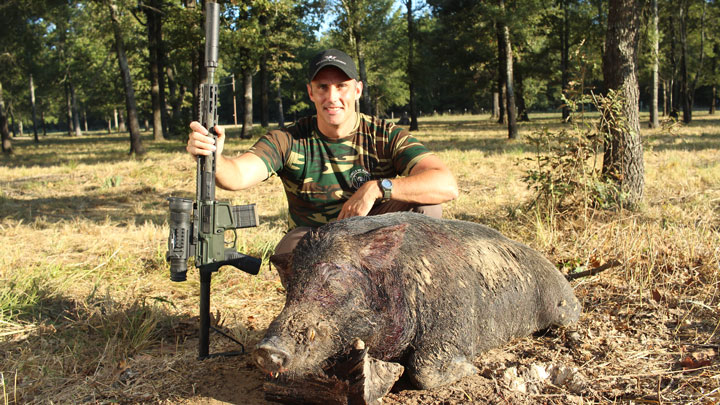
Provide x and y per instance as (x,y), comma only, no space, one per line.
(233,174)
(429,182)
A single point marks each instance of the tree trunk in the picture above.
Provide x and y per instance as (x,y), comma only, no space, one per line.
(411,66)
(42,122)
(153,60)
(354,18)
(495,105)
(673,88)
(565,58)
(161,68)
(68,106)
(522,114)
(248,104)
(264,93)
(4,130)
(136,145)
(714,95)
(687,88)
(509,84)
(12,121)
(684,88)
(34,109)
(281,111)
(665,98)
(623,157)
(176,96)
(502,73)
(366,102)
(698,73)
(121,122)
(199,75)
(655,40)
(75,111)
(234,97)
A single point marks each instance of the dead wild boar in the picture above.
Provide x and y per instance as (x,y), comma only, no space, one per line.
(429,294)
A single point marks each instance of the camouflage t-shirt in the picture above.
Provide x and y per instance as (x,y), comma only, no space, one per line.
(319,173)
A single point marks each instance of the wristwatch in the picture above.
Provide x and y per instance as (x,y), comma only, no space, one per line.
(386,188)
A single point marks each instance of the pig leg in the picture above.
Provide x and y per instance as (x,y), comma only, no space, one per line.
(430,370)
(369,378)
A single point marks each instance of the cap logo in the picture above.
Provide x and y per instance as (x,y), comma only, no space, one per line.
(331,58)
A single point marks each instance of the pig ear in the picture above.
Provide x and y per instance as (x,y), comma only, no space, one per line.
(379,247)
(283,264)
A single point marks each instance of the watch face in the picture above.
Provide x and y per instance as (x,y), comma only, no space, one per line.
(386,183)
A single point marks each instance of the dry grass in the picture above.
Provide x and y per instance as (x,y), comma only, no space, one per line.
(87,313)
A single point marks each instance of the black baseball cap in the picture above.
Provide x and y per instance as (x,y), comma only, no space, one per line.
(332,57)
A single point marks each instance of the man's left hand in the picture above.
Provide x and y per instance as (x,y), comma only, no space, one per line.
(362,201)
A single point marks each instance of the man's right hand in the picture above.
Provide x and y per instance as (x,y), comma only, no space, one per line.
(234,173)
(200,143)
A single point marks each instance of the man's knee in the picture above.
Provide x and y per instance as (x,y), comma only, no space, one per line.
(290,240)
(434,211)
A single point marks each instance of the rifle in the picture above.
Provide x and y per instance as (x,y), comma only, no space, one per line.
(197,228)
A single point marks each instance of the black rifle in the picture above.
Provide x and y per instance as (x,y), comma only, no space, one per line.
(197,228)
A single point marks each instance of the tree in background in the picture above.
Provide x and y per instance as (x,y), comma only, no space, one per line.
(714,78)
(154,13)
(565,54)
(136,146)
(623,157)
(4,131)
(432,56)
(506,70)
(411,65)
(688,85)
(357,21)
(245,54)
(655,47)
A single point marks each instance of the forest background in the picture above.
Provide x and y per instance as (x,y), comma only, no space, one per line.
(119,64)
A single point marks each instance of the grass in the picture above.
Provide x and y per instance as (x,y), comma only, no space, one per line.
(85,299)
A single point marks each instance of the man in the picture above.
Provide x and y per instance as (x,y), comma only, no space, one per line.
(337,164)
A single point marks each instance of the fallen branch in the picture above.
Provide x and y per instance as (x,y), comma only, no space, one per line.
(592,272)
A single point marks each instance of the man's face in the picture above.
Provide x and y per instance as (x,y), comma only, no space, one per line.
(334,95)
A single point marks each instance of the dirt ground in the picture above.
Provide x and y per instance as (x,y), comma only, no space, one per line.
(626,348)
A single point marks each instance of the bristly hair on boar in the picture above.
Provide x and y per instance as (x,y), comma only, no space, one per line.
(430,294)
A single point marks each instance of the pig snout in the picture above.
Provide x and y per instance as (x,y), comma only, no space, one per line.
(269,356)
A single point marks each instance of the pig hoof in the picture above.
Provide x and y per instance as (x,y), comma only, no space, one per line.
(370,379)
(431,376)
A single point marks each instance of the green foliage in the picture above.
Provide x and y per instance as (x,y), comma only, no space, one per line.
(113,181)
(566,170)
(455,66)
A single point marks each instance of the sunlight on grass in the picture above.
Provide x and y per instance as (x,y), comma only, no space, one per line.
(84,288)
